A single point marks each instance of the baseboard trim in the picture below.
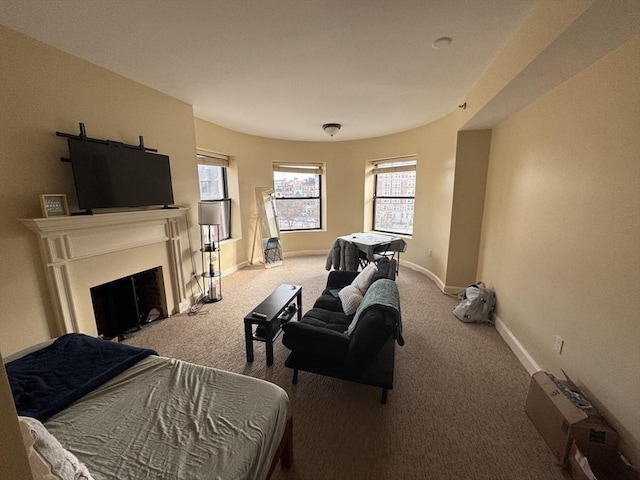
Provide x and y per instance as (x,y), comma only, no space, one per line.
(443,288)
(302,253)
(516,347)
(235,268)
(426,272)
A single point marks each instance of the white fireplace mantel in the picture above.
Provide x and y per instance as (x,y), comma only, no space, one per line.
(69,243)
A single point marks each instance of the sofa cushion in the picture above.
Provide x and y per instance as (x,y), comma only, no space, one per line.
(351,297)
(339,278)
(320,317)
(329,302)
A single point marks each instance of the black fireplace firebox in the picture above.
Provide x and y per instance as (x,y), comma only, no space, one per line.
(127,304)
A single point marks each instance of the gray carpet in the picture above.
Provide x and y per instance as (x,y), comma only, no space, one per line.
(456,410)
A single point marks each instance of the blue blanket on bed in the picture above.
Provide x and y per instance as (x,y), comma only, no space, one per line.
(49,380)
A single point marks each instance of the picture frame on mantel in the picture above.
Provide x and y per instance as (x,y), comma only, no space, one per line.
(54,205)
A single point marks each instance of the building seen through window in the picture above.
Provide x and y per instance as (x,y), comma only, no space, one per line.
(212,182)
(212,179)
(297,196)
(394,198)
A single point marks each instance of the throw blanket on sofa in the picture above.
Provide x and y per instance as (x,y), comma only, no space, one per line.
(382,293)
(49,380)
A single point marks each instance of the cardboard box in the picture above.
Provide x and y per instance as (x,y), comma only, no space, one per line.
(601,463)
(559,421)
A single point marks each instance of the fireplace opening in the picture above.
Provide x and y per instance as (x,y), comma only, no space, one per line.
(127,304)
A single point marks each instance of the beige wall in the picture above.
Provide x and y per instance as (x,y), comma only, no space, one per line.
(345,167)
(43,90)
(472,160)
(561,233)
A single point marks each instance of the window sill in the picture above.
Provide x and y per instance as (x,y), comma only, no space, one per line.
(228,241)
(316,230)
(399,235)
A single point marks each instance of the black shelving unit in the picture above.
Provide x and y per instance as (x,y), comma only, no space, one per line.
(211,272)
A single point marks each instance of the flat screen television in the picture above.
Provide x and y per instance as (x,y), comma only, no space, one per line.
(110,175)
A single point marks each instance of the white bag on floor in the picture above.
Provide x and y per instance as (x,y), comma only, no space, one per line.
(477,305)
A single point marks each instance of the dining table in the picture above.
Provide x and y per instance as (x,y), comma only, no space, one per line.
(370,243)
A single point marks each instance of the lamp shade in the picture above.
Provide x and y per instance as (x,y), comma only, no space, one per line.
(214,212)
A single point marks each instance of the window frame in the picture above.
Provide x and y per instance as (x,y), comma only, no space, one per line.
(299,167)
(225,188)
(385,166)
(215,159)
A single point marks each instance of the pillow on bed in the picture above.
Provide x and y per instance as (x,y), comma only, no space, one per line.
(48,459)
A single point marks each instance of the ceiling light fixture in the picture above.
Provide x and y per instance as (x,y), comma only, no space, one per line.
(331,128)
(441,42)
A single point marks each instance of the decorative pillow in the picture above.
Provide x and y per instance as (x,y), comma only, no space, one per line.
(47,458)
(351,297)
(365,278)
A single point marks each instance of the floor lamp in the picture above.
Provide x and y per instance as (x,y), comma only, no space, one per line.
(211,214)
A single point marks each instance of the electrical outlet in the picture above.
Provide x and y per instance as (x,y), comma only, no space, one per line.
(559,345)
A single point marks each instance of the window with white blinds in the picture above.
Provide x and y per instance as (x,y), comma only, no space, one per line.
(212,174)
(394,194)
(297,189)
(212,178)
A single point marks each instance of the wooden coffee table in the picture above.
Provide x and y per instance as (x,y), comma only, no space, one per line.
(269,316)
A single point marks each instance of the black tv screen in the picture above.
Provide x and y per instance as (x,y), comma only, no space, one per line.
(111,175)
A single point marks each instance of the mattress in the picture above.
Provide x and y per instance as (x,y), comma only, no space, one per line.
(168,419)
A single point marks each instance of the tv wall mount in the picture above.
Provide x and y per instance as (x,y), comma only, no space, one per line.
(83,137)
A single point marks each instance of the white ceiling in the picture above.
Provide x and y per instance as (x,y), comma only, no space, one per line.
(282,68)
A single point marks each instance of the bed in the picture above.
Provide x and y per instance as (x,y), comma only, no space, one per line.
(127,413)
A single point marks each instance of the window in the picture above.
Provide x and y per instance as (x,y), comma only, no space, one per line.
(394,195)
(297,189)
(212,176)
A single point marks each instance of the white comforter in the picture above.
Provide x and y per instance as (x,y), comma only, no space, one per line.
(168,419)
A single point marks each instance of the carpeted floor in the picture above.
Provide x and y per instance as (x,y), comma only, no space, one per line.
(456,410)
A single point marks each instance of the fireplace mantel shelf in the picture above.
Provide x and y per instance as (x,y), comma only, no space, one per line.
(70,246)
(81,222)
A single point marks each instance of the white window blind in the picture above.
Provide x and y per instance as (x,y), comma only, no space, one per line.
(308,168)
(397,164)
(208,157)
(394,195)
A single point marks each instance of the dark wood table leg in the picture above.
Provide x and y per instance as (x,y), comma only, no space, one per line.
(268,340)
(248,340)
(299,304)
